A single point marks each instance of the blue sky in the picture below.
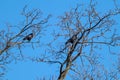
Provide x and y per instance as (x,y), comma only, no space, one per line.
(10,13)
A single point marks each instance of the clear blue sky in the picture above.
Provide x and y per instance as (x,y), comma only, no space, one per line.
(10,13)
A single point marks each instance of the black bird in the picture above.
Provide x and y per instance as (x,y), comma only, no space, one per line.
(72,39)
(28,37)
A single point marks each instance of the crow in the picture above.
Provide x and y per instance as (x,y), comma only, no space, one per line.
(28,37)
(72,39)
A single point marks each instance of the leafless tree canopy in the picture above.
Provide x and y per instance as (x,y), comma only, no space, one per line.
(12,38)
(78,45)
(85,33)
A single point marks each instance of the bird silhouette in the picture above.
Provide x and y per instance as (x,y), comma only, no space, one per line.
(28,37)
(72,39)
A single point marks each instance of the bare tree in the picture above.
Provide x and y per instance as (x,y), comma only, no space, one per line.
(81,35)
(15,37)
(84,33)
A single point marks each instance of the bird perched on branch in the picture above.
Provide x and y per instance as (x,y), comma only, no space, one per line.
(72,39)
(28,37)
